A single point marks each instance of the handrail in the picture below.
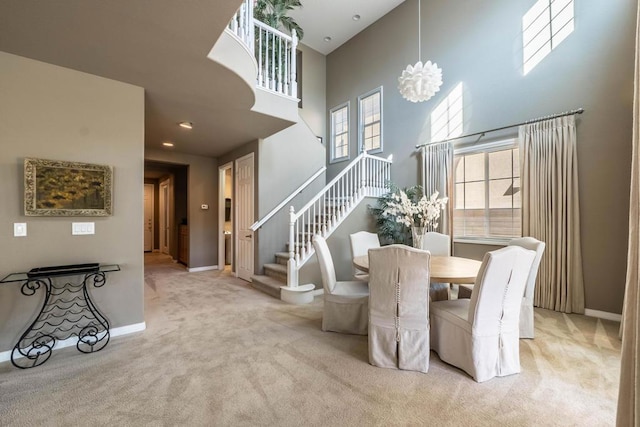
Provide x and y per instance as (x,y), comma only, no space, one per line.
(272,30)
(336,179)
(256,225)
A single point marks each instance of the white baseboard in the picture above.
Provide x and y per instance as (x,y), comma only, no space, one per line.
(70,342)
(603,315)
(206,268)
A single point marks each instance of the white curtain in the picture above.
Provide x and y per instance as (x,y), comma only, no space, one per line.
(550,210)
(628,396)
(437,175)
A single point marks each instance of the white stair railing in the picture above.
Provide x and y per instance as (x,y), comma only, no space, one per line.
(275,51)
(276,56)
(366,175)
(242,24)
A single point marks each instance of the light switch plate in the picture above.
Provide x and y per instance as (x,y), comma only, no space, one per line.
(83,228)
(19,229)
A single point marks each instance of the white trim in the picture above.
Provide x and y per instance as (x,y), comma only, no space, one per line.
(205,268)
(221,213)
(332,134)
(5,356)
(360,124)
(318,292)
(603,315)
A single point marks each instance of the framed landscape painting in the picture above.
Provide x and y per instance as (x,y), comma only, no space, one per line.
(58,188)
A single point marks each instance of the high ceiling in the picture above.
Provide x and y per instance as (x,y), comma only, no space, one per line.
(162,46)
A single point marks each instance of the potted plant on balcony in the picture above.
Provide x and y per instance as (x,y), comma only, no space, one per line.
(274,13)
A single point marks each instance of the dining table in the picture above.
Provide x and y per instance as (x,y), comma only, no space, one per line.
(444,269)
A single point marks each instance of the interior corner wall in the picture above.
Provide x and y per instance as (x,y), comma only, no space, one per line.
(202,185)
(314,89)
(50,112)
(480,45)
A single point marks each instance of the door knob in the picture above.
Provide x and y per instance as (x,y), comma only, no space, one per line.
(249,236)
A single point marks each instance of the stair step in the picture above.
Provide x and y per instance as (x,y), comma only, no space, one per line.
(282,258)
(266,284)
(276,271)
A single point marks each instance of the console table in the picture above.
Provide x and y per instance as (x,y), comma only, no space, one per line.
(67,311)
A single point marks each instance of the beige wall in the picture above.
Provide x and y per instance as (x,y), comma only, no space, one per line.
(202,185)
(51,112)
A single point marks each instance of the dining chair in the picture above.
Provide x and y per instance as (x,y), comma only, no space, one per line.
(439,245)
(361,242)
(399,308)
(481,335)
(526,311)
(346,303)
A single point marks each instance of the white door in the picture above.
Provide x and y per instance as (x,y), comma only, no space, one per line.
(148,217)
(244,216)
(164,217)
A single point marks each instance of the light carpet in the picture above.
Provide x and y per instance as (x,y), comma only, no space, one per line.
(218,352)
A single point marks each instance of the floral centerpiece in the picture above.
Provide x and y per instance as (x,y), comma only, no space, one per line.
(408,209)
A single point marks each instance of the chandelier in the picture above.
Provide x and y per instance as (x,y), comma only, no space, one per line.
(420,82)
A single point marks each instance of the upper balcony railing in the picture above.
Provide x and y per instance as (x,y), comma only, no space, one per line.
(275,51)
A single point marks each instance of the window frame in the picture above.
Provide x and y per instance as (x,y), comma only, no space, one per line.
(361,125)
(332,134)
(488,147)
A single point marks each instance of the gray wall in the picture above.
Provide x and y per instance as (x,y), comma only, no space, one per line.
(51,112)
(202,184)
(479,43)
(314,87)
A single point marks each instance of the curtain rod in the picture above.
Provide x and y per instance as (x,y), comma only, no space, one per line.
(481,134)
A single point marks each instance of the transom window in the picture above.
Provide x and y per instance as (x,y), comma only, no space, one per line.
(370,121)
(544,27)
(446,118)
(487,198)
(340,132)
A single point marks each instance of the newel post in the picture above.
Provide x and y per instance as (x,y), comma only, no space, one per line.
(292,271)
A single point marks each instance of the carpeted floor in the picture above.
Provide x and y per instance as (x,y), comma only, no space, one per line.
(218,352)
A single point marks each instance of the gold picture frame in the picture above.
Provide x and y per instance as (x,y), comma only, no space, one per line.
(59,188)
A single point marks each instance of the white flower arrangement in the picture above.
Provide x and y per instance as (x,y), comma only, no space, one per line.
(423,213)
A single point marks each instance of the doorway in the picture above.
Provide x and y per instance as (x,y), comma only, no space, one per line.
(244,216)
(225,216)
(148,217)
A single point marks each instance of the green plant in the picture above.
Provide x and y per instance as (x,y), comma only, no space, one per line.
(274,13)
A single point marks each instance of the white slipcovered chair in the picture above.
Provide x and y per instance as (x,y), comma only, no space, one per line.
(526,311)
(399,308)
(346,304)
(361,242)
(439,245)
(480,335)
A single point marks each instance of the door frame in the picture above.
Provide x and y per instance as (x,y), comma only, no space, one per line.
(153,215)
(165,216)
(222,170)
(235,203)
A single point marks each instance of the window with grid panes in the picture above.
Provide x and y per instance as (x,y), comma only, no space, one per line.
(370,121)
(340,132)
(487,198)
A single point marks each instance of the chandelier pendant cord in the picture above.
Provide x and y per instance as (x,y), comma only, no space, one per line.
(419,34)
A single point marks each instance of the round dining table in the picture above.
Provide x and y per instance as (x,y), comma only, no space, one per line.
(444,269)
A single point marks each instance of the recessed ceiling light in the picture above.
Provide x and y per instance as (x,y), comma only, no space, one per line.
(356,17)
(168,144)
(186,125)
(327,39)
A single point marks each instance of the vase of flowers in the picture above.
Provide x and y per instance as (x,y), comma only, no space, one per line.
(412,209)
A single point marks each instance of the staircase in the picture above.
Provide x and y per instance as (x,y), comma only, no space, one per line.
(366,175)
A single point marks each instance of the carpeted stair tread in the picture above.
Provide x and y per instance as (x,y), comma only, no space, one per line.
(266,284)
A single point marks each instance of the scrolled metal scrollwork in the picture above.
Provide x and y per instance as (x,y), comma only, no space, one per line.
(31,286)
(33,354)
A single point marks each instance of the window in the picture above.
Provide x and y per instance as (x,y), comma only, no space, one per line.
(340,133)
(544,27)
(370,121)
(487,198)
(446,118)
